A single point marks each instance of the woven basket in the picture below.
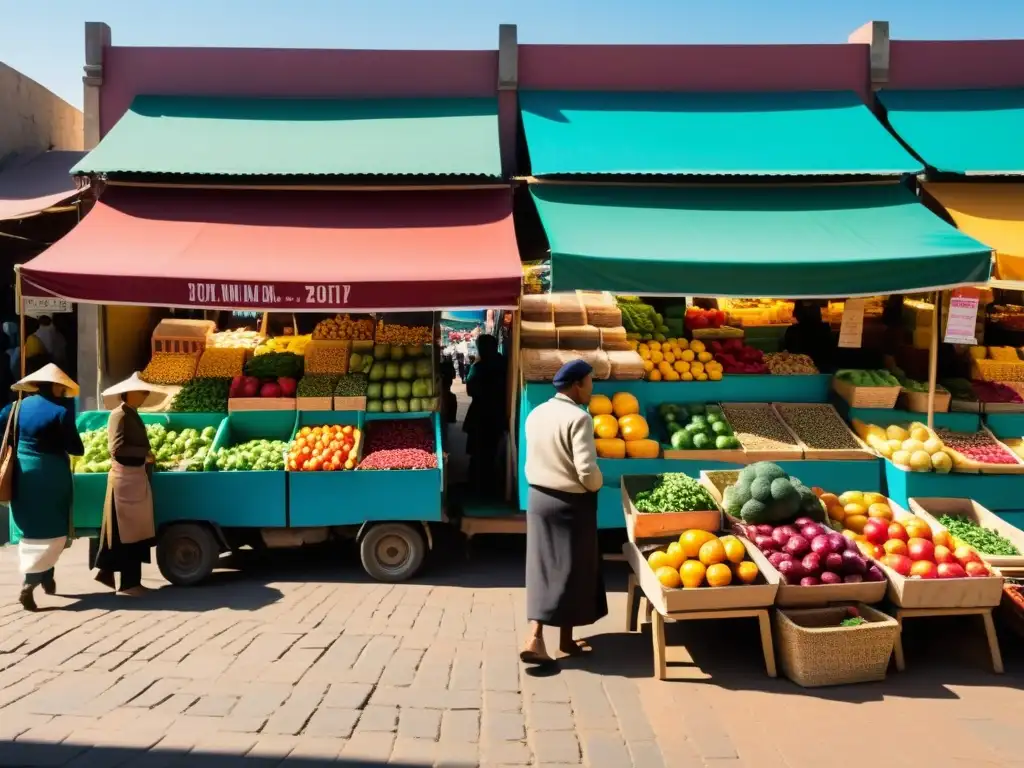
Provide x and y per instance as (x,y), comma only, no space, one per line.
(866,397)
(814,651)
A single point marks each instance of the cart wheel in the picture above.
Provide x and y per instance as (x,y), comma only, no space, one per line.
(186,553)
(392,551)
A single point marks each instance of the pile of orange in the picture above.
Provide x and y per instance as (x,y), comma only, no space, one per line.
(701,558)
(327,449)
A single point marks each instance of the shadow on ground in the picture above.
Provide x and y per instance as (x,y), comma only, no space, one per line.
(942,654)
(22,753)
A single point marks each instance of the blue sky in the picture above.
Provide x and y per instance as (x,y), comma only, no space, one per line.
(47,44)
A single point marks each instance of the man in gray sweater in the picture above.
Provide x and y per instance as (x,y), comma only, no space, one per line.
(564,584)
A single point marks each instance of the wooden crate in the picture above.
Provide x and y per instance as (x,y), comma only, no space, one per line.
(928,509)
(917,402)
(864,453)
(965,465)
(668,601)
(349,403)
(729,456)
(866,397)
(314,403)
(977,592)
(182,336)
(796,596)
(753,456)
(644,525)
(261,404)
(717,480)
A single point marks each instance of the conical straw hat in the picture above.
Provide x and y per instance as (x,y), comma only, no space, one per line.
(48,373)
(132,384)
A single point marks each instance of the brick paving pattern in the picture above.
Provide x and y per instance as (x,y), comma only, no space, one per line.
(304,660)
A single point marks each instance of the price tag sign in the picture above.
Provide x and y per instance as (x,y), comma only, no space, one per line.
(962,320)
(35,306)
(852,329)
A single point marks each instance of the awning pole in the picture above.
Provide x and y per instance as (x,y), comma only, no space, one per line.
(933,358)
(511,452)
(21,320)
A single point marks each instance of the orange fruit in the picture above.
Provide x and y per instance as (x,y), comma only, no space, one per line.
(692,540)
(734,549)
(746,571)
(692,574)
(669,577)
(712,553)
(829,499)
(874,498)
(836,512)
(943,539)
(918,529)
(674,556)
(855,522)
(657,559)
(880,509)
(719,575)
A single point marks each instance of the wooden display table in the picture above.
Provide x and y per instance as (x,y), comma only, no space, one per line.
(733,602)
(986,614)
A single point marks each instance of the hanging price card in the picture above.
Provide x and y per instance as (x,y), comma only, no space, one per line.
(852,329)
(962,320)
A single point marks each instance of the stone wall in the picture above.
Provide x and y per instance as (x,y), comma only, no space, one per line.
(34,120)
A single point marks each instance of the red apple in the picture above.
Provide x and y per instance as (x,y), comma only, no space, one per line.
(899,563)
(924,569)
(876,531)
(976,568)
(897,531)
(965,555)
(921,549)
(878,551)
(951,571)
(943,555)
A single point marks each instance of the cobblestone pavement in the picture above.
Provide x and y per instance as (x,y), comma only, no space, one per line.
(304,658)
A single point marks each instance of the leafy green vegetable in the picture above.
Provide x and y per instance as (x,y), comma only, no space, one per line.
(203,396)
(274,365)
(982,539)
(674,492)
(251,456)
(853,621)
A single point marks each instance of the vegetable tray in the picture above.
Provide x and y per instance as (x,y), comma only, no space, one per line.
(667,601)
(929,509)
(646,525)
(866,397)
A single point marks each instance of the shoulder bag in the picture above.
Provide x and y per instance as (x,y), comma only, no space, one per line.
(8,455)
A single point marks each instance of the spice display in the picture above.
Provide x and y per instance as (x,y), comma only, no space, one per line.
(403,335)
(169,368)
(324,448)
(407,444)
(759,428)
(818,426)
(789,364)
(251,456)
(203,396)
(986,541)
(702,559)
(978,447)
(275,365)
(674,492)
(343,327)
(351,385)
(765,493)
(221,363)
(241,338)
(316,386)
(325,357)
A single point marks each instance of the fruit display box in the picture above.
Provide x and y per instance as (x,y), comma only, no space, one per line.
(647,525)
(866,397)
(314,403)
(929,509)
(1005,424)
(796,596)
(917,402)
(741,413)
(348,404)
(964,465)
(995,492)
(824,414)
(261,404)
(667,601)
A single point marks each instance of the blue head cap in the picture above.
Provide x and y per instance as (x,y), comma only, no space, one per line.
(572,372)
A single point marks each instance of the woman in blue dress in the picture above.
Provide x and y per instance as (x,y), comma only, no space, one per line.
(43,430)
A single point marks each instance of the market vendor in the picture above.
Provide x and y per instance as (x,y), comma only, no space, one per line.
(128,531)
(486,419)
(564,583)
(810,335)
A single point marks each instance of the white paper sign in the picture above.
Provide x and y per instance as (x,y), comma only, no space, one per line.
(852,329)
(36,306)
(962,321)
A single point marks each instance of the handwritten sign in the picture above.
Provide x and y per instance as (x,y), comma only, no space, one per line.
(962,318)
(37,305)
(851,332)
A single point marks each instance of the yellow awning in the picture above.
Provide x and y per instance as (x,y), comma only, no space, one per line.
(993,214)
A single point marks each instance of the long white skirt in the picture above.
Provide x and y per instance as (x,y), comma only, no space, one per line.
(39,555)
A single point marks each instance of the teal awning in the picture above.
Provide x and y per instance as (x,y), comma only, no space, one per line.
(750,134)
(978,132)
(301,137)
(741,241)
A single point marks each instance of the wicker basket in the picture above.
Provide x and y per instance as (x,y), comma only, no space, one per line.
(866,397)
(813,650)
(917,402)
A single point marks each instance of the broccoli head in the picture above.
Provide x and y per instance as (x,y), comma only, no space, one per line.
(761,489)
(747,474)
(768,470)
(754,512)
(782,488)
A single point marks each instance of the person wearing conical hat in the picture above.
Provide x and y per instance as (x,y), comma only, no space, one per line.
(128,530)
(40,429)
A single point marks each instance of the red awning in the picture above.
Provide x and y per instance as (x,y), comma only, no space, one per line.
(287,251)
